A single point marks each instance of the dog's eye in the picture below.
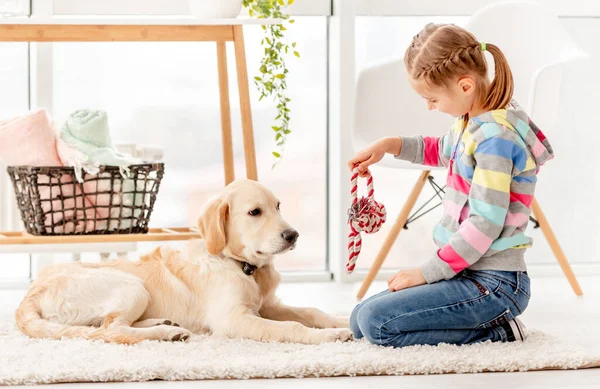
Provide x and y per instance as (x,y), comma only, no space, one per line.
(278,205)
(254,212)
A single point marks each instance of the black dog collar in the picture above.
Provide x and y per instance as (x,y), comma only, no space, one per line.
(248,269)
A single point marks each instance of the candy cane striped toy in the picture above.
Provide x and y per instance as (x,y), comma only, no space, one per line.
(365,215)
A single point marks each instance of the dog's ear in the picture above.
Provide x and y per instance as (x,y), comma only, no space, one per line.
(212,226)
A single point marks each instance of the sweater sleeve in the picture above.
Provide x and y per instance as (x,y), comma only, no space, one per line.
(489,199)
(428,151)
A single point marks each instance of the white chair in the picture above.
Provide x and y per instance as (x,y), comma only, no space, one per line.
(531,50)
(383,97)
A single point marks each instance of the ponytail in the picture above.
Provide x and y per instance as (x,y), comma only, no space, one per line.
(501,89)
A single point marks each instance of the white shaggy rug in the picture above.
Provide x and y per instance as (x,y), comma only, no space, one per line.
(36,361)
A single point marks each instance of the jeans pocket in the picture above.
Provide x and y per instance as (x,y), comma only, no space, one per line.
(523,284)
(497,320)
(518,298)
(519,294)
(485,285)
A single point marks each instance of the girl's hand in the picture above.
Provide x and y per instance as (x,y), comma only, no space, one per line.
(406,279)
(374,153)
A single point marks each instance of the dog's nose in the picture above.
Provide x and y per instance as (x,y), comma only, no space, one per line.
(290,235)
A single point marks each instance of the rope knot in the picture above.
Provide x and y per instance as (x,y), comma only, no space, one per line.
(365,215)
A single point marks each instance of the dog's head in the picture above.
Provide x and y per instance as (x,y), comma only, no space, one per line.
(244,222)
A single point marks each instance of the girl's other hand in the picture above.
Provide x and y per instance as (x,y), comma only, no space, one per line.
(406,279)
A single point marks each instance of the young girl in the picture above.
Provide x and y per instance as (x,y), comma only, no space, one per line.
(474,287)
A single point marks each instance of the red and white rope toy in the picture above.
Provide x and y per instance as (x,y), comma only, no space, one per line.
(365,215)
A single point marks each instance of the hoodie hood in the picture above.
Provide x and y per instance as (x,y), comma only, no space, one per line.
(516,119)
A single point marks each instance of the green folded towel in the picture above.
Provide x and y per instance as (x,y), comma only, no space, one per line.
(87,131)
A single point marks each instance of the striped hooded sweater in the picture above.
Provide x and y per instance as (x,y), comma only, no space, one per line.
(492,168)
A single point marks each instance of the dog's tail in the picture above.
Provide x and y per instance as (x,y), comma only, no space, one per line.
(30,321)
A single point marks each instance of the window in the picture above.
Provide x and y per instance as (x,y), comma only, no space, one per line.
(163,93)
(573,140)
(14,78)
(14,100)
(167,94)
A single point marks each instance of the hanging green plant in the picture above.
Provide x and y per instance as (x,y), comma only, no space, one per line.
(271,80)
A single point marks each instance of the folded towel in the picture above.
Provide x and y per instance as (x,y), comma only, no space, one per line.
(87,130)
(31,140)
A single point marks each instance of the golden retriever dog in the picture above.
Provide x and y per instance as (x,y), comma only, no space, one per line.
(223,284)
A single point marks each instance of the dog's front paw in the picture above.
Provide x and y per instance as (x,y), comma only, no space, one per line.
(153,323)
(172,333)
(168,323)
(328,335)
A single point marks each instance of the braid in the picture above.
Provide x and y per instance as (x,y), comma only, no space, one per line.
(419,41)
(441,53)
(459,58)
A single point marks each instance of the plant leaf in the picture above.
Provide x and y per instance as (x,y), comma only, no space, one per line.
(272,81)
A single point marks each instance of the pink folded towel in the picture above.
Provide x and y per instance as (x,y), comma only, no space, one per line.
(31,140)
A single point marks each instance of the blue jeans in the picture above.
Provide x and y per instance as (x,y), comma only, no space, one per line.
(469,308)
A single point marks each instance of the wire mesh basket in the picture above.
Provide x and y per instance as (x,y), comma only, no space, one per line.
(52,202)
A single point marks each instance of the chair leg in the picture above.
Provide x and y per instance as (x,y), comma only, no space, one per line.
(393,234)
(556,249)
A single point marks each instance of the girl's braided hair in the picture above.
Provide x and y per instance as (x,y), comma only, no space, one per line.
(441,53)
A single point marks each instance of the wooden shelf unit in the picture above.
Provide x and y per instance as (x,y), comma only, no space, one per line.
(150,29)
